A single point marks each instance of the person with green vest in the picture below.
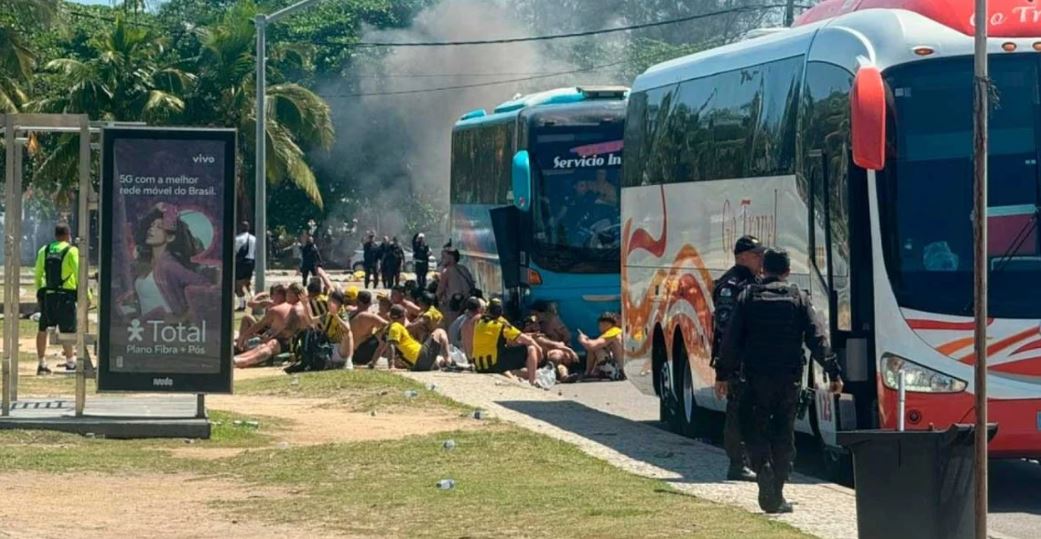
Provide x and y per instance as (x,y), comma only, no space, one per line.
(57,278)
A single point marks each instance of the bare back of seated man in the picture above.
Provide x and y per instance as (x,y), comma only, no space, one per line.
(365,326)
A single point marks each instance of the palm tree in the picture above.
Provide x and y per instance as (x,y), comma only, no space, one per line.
(297,118)
(17,59)
(124,78)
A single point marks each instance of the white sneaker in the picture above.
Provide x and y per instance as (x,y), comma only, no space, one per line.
(349,365)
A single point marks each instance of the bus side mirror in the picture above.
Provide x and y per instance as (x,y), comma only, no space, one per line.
(522,180)
(868,115)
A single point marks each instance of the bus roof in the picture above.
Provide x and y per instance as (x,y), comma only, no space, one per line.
(851,33)
(559,96)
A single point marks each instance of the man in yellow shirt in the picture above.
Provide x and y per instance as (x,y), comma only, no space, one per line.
(406,352)
(57,279)
(498,347)
(605,350)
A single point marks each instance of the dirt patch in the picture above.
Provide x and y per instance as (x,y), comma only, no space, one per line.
(320,421)
(40,506)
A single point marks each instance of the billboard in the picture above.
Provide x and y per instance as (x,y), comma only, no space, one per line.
(167,228)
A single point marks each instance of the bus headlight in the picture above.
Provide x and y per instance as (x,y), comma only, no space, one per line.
(917,378)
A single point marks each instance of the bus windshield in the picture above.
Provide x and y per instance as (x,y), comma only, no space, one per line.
(925,192)
(577,181)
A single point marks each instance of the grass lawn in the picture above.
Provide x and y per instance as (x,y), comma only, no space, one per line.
(509,481)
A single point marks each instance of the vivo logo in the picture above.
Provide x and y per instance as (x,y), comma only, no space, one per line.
(204,159)
(162,382)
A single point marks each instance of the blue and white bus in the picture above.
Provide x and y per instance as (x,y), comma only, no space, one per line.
(546,168)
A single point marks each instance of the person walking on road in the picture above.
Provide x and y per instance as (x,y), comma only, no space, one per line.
(421,259)
(771,322)
(371,260)
(310,258)
(57,281)
(748,255)
(245,263)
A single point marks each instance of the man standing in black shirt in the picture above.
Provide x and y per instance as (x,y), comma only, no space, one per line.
(390,265)
(371,260)
(310,258)
(421,259)
(771,322)
(748,255)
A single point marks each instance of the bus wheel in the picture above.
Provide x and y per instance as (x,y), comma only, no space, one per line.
(838,464)
(669,411)
(696,420)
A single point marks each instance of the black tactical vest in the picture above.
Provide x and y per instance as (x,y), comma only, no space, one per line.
(774,319)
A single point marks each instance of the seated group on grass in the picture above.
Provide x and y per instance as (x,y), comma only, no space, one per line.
(408,329)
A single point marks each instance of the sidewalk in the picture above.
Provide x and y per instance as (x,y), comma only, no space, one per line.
(822,509)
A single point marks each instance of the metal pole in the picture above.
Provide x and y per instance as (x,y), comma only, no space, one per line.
(261,154)
(789,13)
(83,280)
(18,211)
(981,105)
(12,270)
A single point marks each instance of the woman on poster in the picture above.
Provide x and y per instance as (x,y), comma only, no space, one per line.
(165,275)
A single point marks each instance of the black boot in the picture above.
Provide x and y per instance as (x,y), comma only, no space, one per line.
(770,498)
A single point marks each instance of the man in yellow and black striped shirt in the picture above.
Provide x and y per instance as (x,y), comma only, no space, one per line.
(338,330)
(498,347)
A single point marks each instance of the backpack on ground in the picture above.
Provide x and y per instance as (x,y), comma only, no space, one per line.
(52,267)
(313,352)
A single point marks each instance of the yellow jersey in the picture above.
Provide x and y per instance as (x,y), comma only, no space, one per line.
(333,330)
(399,336)
(491,335)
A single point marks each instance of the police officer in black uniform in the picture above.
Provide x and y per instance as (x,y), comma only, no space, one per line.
(748,255)
(771,322)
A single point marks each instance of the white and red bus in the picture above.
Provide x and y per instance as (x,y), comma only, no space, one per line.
(847,140)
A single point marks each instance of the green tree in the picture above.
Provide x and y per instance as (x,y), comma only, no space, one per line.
(124,77)
(18,19)
(297,118)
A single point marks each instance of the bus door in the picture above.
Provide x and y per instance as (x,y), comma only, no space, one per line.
(508,226)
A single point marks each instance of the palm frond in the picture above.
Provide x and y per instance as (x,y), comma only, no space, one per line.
(304,112)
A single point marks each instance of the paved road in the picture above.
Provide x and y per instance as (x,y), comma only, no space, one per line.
(1015,486)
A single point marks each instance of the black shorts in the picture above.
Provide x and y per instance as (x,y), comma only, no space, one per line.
(427,356)
(364,353)
(244,269)
(510,359)
(58,309)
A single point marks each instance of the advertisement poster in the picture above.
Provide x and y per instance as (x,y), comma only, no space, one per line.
(167,229)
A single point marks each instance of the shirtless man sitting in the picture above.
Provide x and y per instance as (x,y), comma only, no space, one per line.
(562,355)
(278,327)
(397,297)
(366,327)
(605,349)
(263,300)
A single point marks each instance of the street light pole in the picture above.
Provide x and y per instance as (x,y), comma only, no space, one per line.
(260,168)
(262,21)
(981,105)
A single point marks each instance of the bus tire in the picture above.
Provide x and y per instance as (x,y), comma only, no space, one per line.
(694,420)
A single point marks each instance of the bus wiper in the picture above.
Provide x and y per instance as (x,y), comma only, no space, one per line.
(1016,244)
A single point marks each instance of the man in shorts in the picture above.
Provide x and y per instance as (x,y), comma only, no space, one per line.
(406,352)
(498,347)
(57,280)
(281,323)
(245,263)
(338,331)
(366,326)
(604,353)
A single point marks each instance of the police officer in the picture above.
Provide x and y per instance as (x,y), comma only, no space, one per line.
(770,323)
(748,255)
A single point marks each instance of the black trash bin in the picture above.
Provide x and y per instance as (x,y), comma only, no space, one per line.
(914,484)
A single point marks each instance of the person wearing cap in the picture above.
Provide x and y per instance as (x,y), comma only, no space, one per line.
(350,297)
(604,353)
(771,323)
(748,257)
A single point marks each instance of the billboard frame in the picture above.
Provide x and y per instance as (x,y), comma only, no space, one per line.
(165,382)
